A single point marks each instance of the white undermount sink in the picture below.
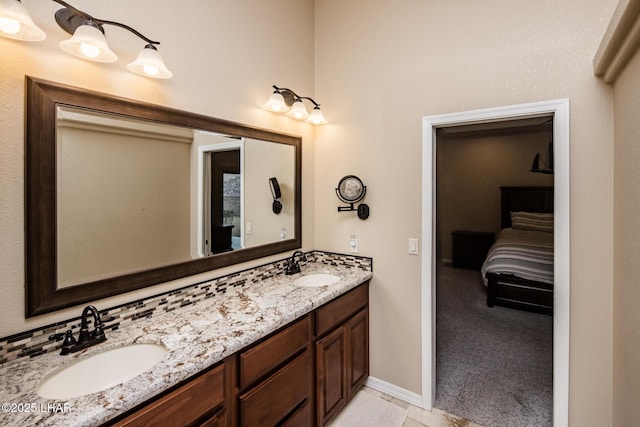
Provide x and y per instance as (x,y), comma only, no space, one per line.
(101,371)
(316,280)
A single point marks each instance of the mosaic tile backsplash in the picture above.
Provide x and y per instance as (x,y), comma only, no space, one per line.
(36,342)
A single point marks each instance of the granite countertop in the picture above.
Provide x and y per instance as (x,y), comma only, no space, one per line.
(197,337)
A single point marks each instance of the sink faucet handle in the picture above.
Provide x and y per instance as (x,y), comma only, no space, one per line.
(69,341)
(68,338)
(56,337)
(98,333)
(98,330)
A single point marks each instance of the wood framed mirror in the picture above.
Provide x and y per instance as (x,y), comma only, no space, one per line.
(50,287)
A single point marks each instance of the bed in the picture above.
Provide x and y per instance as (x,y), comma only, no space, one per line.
(518,270)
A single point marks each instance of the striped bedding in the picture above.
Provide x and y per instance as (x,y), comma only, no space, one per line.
(522,253)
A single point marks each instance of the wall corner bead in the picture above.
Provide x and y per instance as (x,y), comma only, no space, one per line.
(620,41)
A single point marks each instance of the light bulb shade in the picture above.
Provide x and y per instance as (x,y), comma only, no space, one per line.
(316,117)
(298,111)
(276,103)
(88,42)
(16,23)
(149,63)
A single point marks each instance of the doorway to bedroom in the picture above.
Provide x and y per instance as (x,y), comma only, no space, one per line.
(493,364)
(467,157)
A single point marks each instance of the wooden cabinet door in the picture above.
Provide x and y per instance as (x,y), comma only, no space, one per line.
(331,368)
(357,351)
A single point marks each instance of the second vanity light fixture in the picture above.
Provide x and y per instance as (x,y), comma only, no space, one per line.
(88,40)
(284,100)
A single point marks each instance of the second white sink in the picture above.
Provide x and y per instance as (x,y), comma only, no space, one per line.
(315,280)
(101,371)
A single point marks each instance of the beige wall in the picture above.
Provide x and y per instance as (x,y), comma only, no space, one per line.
(382,66)
(626,298)
(470,171)
(224,56)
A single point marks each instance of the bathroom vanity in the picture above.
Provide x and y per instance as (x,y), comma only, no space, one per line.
(270,352)
(272,381)
(270,345)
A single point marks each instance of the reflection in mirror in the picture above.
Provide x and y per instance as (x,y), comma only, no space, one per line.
(122,195)
(221,199)
(236,193)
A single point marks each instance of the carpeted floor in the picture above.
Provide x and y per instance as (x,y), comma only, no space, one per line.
(493,365)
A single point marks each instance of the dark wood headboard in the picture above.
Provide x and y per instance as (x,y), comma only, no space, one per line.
(527,199)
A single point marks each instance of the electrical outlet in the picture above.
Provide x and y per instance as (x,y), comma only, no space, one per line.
(249,228)
(283,233)
(353,243)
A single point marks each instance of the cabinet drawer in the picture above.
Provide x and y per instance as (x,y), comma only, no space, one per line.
(271,401)
(301,417)
(219,419)
(184,405)
(264,358)
(336,312)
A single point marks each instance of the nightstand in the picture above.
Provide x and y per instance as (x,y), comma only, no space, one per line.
(470,248)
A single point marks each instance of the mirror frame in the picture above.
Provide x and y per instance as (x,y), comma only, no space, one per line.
(41,290)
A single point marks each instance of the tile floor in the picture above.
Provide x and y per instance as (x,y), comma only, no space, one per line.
(417,417)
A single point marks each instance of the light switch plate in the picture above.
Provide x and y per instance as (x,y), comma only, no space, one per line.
(413,246)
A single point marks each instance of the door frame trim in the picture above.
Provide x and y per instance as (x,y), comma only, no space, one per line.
(562,269)
(202,150)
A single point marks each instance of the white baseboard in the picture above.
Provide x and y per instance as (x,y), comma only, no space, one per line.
(394,391)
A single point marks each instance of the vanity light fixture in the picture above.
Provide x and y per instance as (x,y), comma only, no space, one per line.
(16,23)
(87,41)
(284,100)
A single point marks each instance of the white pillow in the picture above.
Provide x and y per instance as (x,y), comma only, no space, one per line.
(532,221)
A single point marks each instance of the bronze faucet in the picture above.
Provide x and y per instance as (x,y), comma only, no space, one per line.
(292,266)
(85,338)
